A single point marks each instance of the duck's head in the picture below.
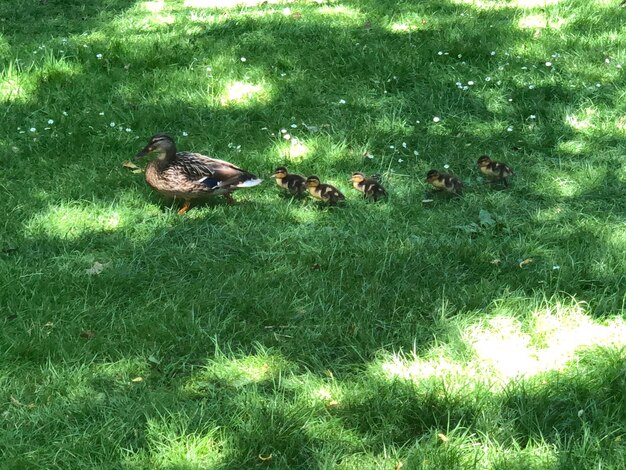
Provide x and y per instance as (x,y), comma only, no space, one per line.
(162,144)
(312,182)
(279,172)
(432,175)
(357,177)
(483,161)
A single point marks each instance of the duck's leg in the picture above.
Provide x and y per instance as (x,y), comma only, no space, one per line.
(229,199)
(185,207)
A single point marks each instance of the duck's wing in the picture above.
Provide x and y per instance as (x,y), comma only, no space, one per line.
(213,172)
(196,165)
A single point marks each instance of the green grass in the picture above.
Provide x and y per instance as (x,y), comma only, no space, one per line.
(483,332)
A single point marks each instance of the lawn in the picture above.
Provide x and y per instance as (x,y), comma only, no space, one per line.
(485,331)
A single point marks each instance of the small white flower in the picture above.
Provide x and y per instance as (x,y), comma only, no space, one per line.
(532,116)
(556,267)
(22,132)
(403,144)
(33,129)
(509,129)
(283,131)
(459,84)
(619,66)
(128,129)
(185,134)
(112,124)
(548,64)
(342,101)
(46,128)
(400,160)
(510,99)
(64,113)
(50,121)
(493,52)
(101,113)
(446,166)
(286,136)
(392,147)
(607,61)
(524,68)
(530,87)
(286,11)
(440,53)
(417,122)
(416,153)
(487,79)
(465,88)
(293,126)
(99,56)
(243,59)
(283,74)
(555,55)
(459,56)
(84,45)
(598,85)
(470,83)
(436,119)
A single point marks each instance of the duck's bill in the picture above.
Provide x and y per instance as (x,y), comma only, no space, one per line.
(142,153)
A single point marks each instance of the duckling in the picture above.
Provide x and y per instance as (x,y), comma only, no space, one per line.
(323,192)
(444,182)
(294,184)
(495,171)
(370,187)
(188,175)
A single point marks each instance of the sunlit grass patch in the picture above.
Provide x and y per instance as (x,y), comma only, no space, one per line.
(174,440)
(71,221)
(242,94)
(503,347)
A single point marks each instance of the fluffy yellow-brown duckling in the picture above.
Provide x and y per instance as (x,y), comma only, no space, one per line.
(495,171)
(294,184)
(444,182)
(323,192)
(370,187)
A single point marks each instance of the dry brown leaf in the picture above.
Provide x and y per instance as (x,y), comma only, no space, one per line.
(442,437)
(88,334)
(296,15)
(525,262)
(399,465)
(15,401)
(131,166)
(97,268)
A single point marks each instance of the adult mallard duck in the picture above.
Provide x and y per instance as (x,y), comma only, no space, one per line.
(188,175)
(495,171)
(370,187)
(323,192)
(444,182)
(294,184)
